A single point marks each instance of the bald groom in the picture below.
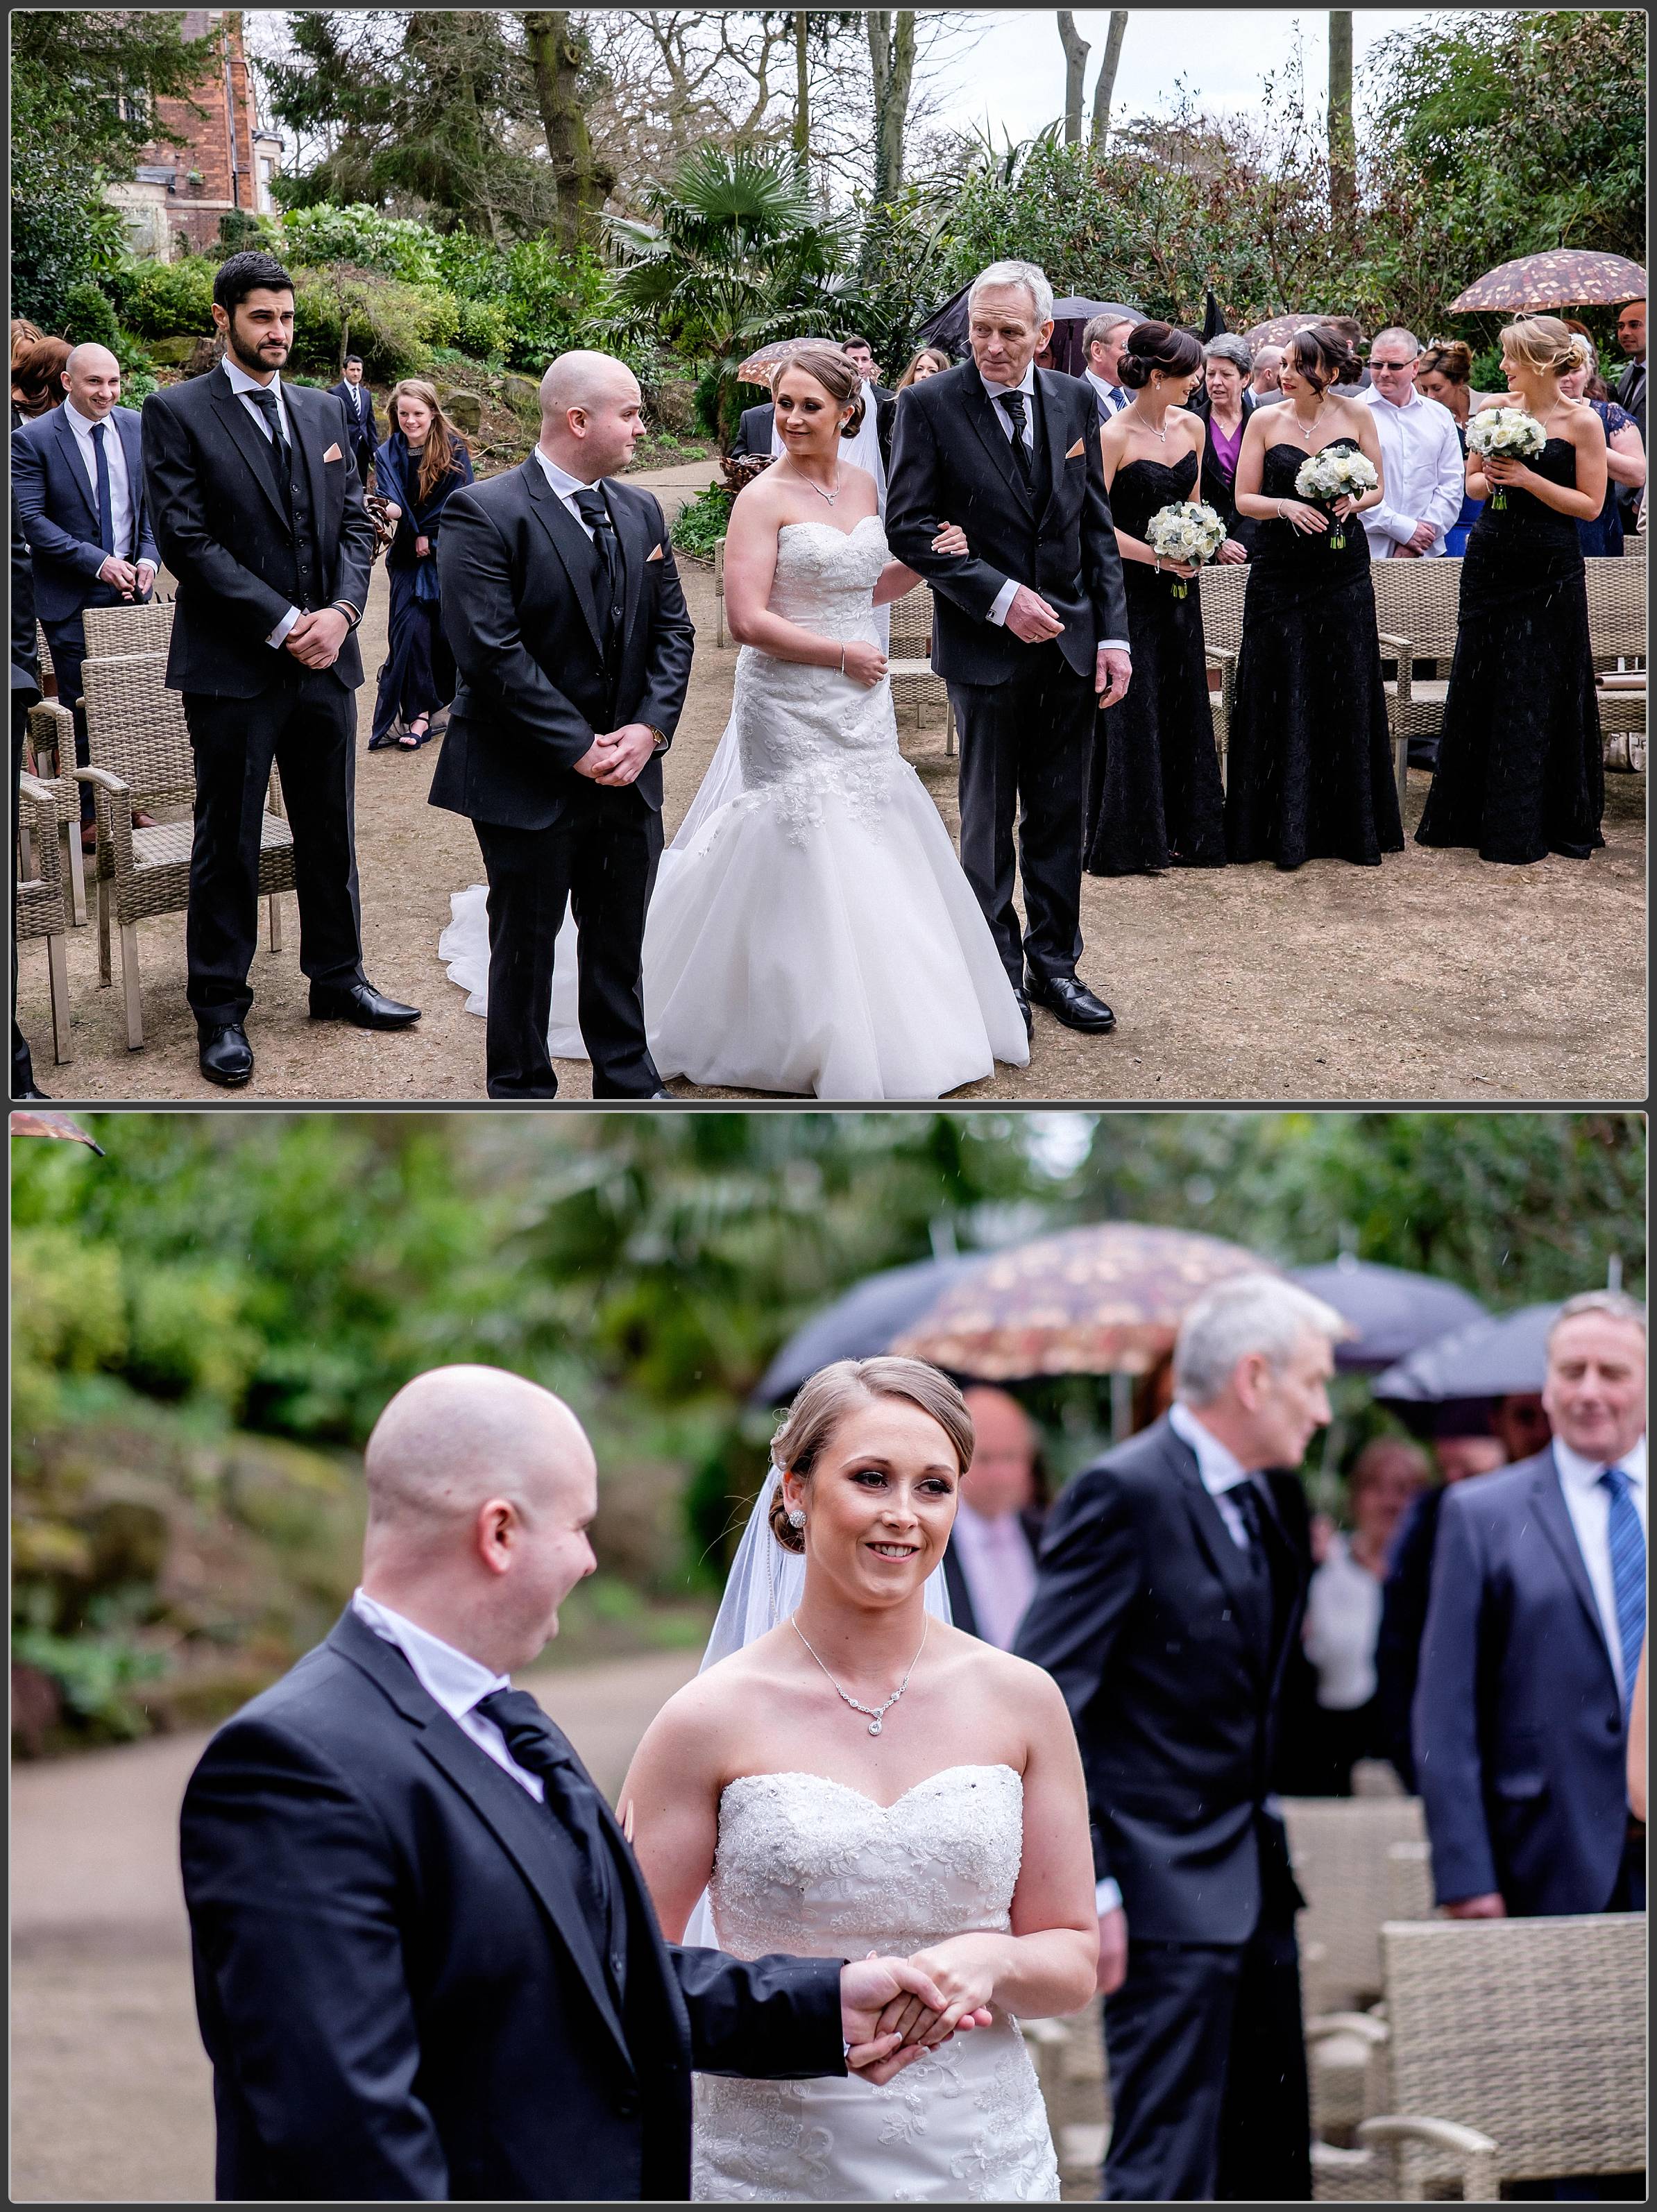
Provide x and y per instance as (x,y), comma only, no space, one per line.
(426,1965)
(564,610)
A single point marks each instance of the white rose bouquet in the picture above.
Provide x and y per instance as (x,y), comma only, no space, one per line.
(1188,531)
(1506,434)
(1326,476)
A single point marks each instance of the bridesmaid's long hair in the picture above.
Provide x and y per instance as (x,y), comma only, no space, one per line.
(444,442)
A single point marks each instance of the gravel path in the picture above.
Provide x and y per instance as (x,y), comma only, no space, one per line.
(1431,977)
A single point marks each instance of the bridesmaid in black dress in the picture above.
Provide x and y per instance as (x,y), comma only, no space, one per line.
(1311,769)
(1154,800)
(1521,771)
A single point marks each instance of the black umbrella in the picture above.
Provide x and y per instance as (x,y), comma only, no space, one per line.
(1493,1357)
(859,1325)
(1394,1310)
(948,327)
(1213,320)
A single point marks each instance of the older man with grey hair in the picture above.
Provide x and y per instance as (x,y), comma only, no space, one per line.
(1422,467)
(1102,340)
(1031,627)
(1169,1597)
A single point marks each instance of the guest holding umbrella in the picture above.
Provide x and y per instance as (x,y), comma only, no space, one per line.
(423,460)
(1625,452)
(1226,366)
(1520,772)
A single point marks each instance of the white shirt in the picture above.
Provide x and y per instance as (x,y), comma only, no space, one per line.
(1423,476)
(120,488)
(355,390)
(1112,394)
(1026,384)
(1343,1622)
(567,486)
(241,383)
(1588,1504)
(1000,1570)
(455,1679)
(1220,1469)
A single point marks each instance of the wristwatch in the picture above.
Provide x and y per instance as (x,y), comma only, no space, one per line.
(663,740)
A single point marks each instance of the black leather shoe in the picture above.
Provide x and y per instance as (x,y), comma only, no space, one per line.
(1024,1009)
(29,1092)
(1072,1002)
(225,1054)
(362,1006)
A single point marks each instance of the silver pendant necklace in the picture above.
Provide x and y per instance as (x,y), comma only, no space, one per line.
(831,496)
(1307,429)
(874,1714)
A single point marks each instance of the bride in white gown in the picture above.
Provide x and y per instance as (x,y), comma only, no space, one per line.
(853,1773)
(811,931)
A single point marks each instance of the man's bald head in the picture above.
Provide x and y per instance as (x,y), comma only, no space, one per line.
(91,378)
(455,1436)
(592,415)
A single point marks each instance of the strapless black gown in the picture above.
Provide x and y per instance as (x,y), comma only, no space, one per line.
(1521,771)
(1154,800)
(1310,773)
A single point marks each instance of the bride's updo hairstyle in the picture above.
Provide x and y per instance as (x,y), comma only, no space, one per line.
(1323,356)
(1541,342)
(1157,345)
(832,1392)
(836,371)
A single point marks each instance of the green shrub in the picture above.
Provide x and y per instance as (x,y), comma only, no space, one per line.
(88,319)
(240,232)
(703,522)
(164,299)
(387,245)
(186,1334)
(391,325)
(483,329)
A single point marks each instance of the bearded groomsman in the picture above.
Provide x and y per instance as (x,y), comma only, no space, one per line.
(258,508)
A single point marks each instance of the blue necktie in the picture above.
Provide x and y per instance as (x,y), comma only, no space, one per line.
(106,504)
(1628,1574)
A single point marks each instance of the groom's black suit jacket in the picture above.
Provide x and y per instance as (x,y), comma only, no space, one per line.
(539,680)
(401,1993)
(1146,1616)
(952,462)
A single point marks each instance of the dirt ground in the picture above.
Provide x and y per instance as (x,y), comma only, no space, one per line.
(1432,977)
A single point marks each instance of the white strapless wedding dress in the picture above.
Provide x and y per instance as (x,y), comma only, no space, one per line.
(807,1865)
(810,931)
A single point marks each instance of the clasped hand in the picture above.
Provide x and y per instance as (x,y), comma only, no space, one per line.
(617,757)
(315,638)
(893,2009)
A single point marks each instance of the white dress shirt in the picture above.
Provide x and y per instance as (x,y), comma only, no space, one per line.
(1112,394)
(1343,1624)
(1220,1469)
(1423,475)
(455,1680)
(1026,384)
(567,486)
(120,488)
(1588,1504)
(241,383)
(355,390)
(999,1568)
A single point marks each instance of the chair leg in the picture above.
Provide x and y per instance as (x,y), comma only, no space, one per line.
(135,1017)
(1401,768)
(58,978)
(276,923)
(105,892)
(949,728)
(78,877)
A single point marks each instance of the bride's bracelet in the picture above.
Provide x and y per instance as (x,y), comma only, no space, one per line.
(843,660)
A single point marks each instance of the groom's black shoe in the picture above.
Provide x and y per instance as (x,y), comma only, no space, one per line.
(362,1005)
(1024,1009)
(1073,1003)
(225,1055)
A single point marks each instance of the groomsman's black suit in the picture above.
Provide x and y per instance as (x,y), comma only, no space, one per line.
(754,430)
(1169,1643)
(406,1985)
(546,665)
(247,541)
(358,403)
(1025,712)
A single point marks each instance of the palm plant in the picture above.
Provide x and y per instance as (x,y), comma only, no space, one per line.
(736,254)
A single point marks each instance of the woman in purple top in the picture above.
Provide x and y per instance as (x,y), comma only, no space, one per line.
(1226,366)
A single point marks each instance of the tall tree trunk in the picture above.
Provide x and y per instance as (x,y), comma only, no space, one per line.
(1343,152)
(1104,90)
(557,53)
(802,96)
(1076,62)
(892,58)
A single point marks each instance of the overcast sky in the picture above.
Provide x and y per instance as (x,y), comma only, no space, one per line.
(1014,75)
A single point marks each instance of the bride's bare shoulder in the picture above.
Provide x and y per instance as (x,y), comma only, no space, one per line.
(1001,1679)
(708,1705)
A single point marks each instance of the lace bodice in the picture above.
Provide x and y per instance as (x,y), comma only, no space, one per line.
(825,576)
(807,1864)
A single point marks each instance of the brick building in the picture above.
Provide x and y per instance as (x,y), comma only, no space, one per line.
(173,203)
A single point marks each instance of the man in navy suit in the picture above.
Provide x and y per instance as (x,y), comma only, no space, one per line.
(1103,341)
(354,397)
(79,476)
(1534,1629)
(426,1965)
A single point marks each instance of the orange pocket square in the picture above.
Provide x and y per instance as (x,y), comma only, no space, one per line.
(332,453)
(655,554)
(1080,447)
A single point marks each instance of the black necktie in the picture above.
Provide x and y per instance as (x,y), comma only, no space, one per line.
(589,504)
(266,401)
(545,1752)
(1246,1500)
(1014,403)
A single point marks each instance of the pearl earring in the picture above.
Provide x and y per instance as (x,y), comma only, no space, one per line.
(796,1518)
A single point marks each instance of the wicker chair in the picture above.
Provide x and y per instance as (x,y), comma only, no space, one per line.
(1416,604)
(1339,1847)
(1410,1882)
(40,909)
(140,759)
(909,662)
(50,756)
(1222,586)
(146,628)
(1516,2049)
(1616,638)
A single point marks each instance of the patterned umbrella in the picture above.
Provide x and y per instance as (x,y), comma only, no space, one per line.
(763,364)
(1279,330)
(1107,1300)
(24,1124)
(1555,280)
